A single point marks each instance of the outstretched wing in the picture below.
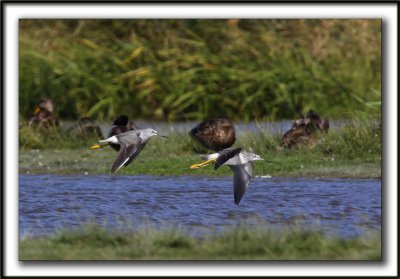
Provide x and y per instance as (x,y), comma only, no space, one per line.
(241,179)
(130,147)
(225,155)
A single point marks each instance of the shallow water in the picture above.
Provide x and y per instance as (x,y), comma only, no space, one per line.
(198,204)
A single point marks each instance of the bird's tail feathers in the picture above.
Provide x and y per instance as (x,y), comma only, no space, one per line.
(112,139)
(104,142)
(209,156)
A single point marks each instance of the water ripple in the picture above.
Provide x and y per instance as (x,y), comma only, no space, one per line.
(48,202)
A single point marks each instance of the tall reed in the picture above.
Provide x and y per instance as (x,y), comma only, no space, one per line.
(175,69)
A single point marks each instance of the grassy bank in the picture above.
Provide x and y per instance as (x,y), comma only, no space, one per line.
(351,151)
(92,242)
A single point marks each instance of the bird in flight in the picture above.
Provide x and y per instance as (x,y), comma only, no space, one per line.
(131,144)
(241,163)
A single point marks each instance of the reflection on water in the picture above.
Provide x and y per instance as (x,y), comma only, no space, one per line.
(197,203)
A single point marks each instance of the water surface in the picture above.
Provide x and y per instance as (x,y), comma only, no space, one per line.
(197,203)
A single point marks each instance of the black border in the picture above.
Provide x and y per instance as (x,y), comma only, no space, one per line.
(103,2)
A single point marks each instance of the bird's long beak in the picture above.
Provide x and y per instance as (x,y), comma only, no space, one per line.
(163,136)
(200,165)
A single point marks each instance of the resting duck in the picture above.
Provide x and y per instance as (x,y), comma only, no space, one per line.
(43,114)
(87,128)
(303,129)
(314,120)
(214,133)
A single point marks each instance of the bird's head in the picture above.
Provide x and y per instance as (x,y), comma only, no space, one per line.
(255,157)
(47,105)
(155,133)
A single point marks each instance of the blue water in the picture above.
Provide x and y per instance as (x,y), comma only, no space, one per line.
(198,204)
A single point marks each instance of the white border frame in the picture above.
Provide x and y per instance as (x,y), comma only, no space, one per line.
(14,11)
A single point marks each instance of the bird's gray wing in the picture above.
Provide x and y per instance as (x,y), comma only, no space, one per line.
(136,153)
(241,179)
(130,147)
(225,155)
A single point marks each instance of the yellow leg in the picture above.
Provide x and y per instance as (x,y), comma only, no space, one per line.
(96,146)
(206,163)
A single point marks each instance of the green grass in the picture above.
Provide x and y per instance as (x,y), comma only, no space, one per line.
(247,69)
(352,151)
(92,242)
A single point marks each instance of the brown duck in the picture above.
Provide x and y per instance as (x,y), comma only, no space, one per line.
(303,129)
(214,133)
(43,115)
(87,128)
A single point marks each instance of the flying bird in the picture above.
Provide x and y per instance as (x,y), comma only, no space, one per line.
(241,163)
(131,144)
